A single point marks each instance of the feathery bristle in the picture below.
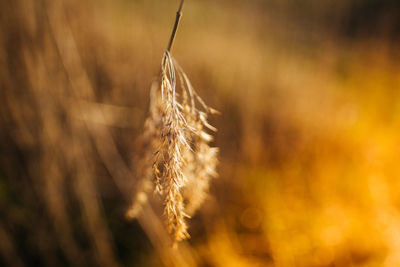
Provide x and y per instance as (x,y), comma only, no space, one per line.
(177,153)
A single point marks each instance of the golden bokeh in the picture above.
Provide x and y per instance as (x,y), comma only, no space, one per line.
(309,131)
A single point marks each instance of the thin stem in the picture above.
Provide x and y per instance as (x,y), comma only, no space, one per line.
(177,19)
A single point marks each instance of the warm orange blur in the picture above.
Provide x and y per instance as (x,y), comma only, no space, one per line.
(309,134)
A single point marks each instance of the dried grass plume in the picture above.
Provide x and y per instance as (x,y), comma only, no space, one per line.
(177,161)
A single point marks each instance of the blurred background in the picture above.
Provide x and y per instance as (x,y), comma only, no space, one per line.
(309,134)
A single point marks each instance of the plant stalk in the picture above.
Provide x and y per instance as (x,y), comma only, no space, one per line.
(177,19)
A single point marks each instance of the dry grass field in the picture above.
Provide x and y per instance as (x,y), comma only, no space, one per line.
(308,135)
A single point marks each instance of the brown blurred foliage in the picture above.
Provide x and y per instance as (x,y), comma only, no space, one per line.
(309,131)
